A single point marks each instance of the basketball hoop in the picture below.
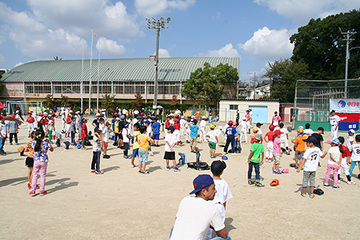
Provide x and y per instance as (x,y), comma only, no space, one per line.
(152,57)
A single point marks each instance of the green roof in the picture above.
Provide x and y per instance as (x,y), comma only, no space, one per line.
(131,69)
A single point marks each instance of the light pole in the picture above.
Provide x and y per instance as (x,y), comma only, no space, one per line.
(347,57)
(156,24)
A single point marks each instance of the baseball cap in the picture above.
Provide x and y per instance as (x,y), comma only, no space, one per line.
(352,131)
(300,130)
(335,141)
(311,139)
(271,127)
(203,117)
(212,126)
(171,128)
(117,119)
(202,181)
(277,132)
(217,167)
(244,118)
(257,138)
(98,115)
(255,129)
(230,122)
(259,124)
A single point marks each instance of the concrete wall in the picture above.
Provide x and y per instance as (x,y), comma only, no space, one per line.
(226,114)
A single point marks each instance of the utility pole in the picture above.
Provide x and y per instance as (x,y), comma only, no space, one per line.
(156,24)
(347,57)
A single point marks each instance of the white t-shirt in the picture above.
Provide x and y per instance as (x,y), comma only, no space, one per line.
(312,156)
(106,134)
(355,154)
(349,140)
(284,133)
(182,123)
(194,217)
(96,144)
(222,195)
(334,120)
(3,129)
(171,138)
(244,125)
(203,124)
(308,132)
(149,130)
(125,132)
(212,134)
(335,153)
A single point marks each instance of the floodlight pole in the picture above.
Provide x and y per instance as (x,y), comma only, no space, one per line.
(347,57)
(156,24)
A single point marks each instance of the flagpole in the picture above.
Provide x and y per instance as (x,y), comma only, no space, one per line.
(98,76)
(82,77)
(92,40)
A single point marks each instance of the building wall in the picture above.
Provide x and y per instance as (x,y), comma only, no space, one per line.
(13,90)
(227,114)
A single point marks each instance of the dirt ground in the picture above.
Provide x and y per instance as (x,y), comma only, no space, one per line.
(123,204)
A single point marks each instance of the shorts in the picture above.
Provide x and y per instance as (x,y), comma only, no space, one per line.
(309,176)
(276,158)
(212,145)
(193,141)
(29,162)
(169,156)
(299,155)
(143,155)
(135,152)
(105,145)
(156,136)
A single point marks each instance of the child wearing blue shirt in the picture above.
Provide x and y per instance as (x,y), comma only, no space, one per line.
(230,137)
(193,135)
(156,131)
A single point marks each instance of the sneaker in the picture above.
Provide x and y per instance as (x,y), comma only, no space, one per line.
(326,185)
(336,187)
(37,186)
(92,171)
(133,165)
(29,185)
(259,184)
(311,196)
(351,182)
(145,172)
(43,193)
(176,169)
(140,171)
(167,168)
(303,194)
(151,154)
(251,182)
(32,193)
(99,172)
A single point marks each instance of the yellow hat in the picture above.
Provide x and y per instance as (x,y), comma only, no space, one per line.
(255,129)
(212,125)
(300,130)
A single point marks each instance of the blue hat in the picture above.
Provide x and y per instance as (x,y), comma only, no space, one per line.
(202,181)
(311,139)
(146,122)
(224,158)
(352,131)
(335,141)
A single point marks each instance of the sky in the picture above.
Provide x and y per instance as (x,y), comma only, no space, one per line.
(257,31)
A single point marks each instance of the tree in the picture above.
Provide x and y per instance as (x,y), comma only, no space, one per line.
(64,100)
(284,73)
(139,101)
(321,45)
(210,84)
(56,58)
(108,103)
(49,101)
(174,100)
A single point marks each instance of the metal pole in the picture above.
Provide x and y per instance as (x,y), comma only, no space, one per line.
(156,67)
(82,78)
(347,61)
(92,40)
(98,76)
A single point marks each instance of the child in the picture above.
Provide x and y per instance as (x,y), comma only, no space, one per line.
(13,129)
(213,140)
(355,154)
(40,161)
(126,139)
(333,163)
(350,139)
(144,142)
(223,193)
(299,146)
(277,152)
(230,137)
(307,130)
(29,161)
(106,135)
(68,126)
(193,135)
(156,131)
(256,134)
(72,130)
(149,133)
(170,142)
(345,159)
(95,163)
(203,129)
(237,139)
(31,123)
(84,133)
(258,125)
(254,161)
(136,144)
(269,138)
(310,163)
(284,139)
(177,131)
(245,125)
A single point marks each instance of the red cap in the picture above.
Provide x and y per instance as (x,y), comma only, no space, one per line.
(277,132)
(271,127)
(230,122)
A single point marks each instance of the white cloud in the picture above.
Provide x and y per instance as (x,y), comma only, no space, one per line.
(227,51)
(81,16)
(18,64)
(163,53)
(302,11)
(269,44)
(110,48)
(151,8)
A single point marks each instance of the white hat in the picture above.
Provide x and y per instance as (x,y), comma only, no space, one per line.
(182,116)
(98,115)
(244,118)
(203,117)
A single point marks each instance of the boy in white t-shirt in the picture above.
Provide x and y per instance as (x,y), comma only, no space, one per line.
(310,163)
(170,142)
(350,139)
(284,136)
(213,140)
(355,155)
(203,129)
(106,135)
(126,139)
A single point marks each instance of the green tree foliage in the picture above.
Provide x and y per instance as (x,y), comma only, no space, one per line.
(284,73)
(139,101)
(64,100)
(49,101)
(56,58)
(108,103)
(321,45)
(210,84)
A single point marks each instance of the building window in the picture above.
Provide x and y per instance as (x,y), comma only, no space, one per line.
(234,107)
(29,88)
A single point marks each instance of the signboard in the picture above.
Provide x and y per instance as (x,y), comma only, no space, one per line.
(345,105)
(349,121)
